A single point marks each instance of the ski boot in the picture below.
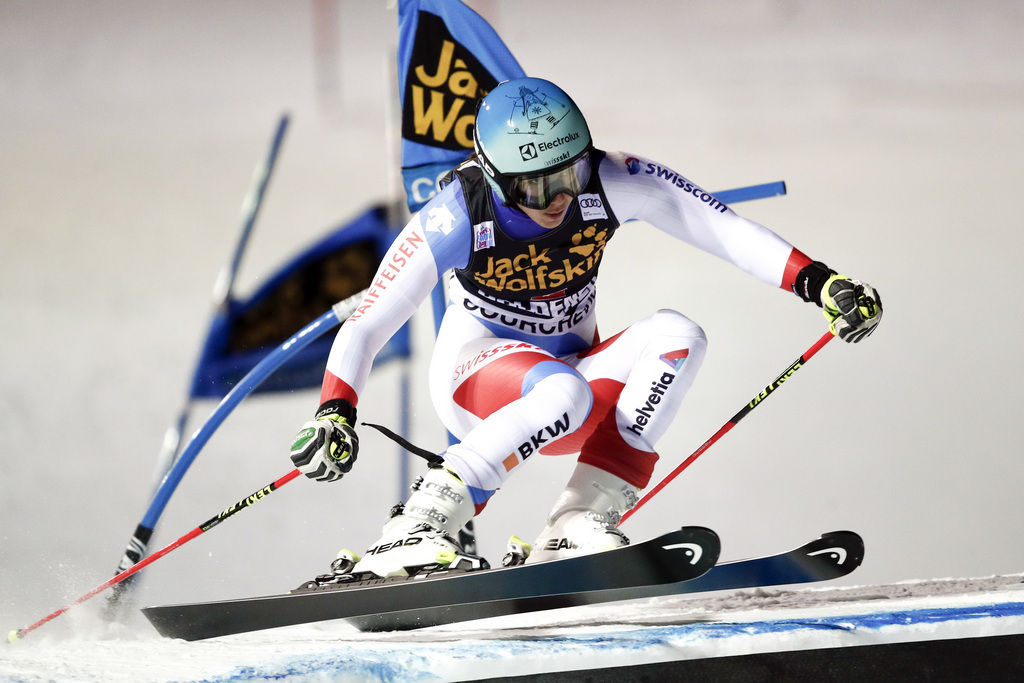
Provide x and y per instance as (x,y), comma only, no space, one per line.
(422,536)
(585,516)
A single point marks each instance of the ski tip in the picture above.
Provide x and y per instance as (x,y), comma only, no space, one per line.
(849,538)
(707,540)
(844,548)
(701,531)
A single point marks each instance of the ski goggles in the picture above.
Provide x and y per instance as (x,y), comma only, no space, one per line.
(538,191)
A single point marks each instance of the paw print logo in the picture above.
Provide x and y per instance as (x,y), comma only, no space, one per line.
(594,240)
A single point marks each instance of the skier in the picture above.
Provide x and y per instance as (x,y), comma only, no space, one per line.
(518,367)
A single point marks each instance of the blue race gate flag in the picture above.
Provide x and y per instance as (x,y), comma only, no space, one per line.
(245,331)
(448,59)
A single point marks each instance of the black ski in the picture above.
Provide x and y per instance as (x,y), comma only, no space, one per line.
(640,571)
(832,556)
(444,597)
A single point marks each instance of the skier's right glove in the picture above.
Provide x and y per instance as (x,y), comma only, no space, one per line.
(852,307)
(326,447)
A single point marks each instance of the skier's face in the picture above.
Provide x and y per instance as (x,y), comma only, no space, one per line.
(553,215)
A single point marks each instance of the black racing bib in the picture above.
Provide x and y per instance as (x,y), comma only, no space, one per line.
(558,263)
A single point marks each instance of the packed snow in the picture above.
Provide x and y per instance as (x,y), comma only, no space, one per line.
(582,638)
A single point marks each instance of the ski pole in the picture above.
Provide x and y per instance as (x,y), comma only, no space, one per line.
(270,363)
(222,294)
(756,401)
(223,290)
(201,529)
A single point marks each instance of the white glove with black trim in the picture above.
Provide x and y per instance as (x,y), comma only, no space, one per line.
(325,448)
(852,307)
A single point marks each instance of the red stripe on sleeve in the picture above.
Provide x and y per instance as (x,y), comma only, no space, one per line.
(797,262)
(335,387)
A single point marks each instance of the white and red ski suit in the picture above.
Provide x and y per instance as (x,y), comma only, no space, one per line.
(518,368)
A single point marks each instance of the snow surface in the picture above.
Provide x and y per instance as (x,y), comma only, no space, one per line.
(582,638)
(129,135)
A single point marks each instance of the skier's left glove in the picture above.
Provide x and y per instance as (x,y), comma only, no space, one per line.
(852,307)
(325,448)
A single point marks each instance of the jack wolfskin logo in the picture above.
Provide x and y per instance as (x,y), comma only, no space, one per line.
(444,83)
(548,268)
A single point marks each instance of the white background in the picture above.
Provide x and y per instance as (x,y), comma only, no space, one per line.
(128,137)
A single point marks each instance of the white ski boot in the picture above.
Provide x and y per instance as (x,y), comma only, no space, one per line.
(585,516)
(422,535)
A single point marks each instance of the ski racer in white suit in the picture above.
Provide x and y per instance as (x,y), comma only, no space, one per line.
(518,367)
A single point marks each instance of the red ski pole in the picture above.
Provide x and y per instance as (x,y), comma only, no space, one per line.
(201,529)
(756,401)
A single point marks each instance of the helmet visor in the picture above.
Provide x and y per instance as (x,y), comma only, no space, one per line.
(538,191)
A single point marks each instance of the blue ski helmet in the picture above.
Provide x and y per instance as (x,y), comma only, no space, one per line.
(533,142)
